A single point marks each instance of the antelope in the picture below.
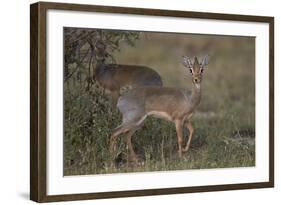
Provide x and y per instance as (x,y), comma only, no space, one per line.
(173,104)
(113,77)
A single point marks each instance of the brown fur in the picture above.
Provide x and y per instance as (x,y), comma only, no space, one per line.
(113,77)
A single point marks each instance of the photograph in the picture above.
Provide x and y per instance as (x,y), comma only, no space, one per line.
(145,101)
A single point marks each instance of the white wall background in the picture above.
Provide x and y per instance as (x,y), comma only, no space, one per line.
(14,101)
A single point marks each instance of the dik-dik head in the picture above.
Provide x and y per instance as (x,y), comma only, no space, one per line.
(195,68)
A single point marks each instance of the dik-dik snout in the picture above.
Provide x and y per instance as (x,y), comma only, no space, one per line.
(197,79)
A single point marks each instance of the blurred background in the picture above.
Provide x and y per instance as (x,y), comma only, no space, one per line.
(224,121)
(230,75)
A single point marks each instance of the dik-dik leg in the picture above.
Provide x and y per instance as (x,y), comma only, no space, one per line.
(114,96)
(130,127)
(179,130)
(112,146)
(131,153)
(191,130)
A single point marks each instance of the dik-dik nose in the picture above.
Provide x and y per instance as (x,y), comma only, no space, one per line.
(196,80)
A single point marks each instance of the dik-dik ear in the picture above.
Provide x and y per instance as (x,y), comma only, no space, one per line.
(205,60)
(186,61)
(204,63)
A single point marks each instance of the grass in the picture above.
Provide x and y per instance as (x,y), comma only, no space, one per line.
(224,121)
(215,145)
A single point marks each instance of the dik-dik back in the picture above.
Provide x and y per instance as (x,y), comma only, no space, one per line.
(113,77)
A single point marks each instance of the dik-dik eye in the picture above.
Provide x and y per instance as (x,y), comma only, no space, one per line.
(190,70)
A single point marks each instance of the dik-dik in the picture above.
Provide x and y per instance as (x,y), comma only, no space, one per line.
(172,104)
(113,77)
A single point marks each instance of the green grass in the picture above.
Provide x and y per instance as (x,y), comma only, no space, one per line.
(215,145)
(224,121)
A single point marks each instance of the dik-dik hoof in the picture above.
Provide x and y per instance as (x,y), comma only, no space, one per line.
(186,148)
